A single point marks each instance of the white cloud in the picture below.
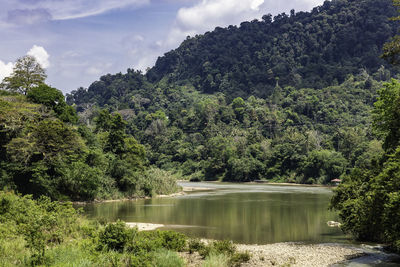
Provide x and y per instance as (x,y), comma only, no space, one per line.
(208,14)
(98,69)
(41,55)
(94,71)
(28,11)
(5,69)
(211,13)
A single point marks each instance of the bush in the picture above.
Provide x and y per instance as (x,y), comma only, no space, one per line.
(218,247)
(145,242)
(173,240)
(115,236)
(224,246)
(149,241)
(238,258)
(165,258)
(195,245)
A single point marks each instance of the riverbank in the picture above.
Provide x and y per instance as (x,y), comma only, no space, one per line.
(185,190)
(288,254)
(278,254)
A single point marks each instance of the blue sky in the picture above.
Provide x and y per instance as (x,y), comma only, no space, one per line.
(77,41)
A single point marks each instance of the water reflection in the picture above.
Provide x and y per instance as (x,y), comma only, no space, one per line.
(254,214)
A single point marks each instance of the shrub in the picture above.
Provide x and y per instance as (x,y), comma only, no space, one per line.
(224,246)
(145,242)
(218,247)
(115,236)
(238,258)
(154,240)
(173,240)
(195,245)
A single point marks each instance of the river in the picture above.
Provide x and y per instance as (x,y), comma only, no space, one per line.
(244,213)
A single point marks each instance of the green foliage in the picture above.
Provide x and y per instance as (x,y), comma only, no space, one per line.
(165,258)
(305,49)
(220,260)
(115,236)
(223,246)
(41,223)
(116,136)
(386,114)
(323,165)
(54,100)
(368,199)
(41,154)
(173,240)
(195,245)
(162,182)
(216,247)
(218,252)
(238,258)
(45,233)
(204,137)
(153,240)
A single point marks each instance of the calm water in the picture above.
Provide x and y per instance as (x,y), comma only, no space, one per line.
(252,214)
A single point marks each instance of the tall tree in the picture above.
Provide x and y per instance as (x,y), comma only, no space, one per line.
(27,74)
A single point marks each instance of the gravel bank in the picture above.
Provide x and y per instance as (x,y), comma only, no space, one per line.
(289,254)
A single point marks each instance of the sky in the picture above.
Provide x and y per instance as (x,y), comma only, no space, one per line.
(77,41)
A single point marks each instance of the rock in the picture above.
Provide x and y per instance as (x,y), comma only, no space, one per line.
(333,224)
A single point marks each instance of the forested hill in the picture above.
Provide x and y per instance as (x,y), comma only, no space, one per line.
(284,99)
(305,49)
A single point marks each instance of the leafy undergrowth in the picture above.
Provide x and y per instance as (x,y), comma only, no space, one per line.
(45,233)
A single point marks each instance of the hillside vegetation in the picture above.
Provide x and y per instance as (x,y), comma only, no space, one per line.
(287,99)
(44,152)
(283,99)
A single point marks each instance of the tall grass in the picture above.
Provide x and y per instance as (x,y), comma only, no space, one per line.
(13,252)
(166,258)
(216,260)
(162,182)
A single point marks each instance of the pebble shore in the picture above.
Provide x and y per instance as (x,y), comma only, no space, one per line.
(292,254)
(289,254)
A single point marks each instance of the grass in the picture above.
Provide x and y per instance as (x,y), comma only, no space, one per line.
(13,252)
(166,258)
(216,260)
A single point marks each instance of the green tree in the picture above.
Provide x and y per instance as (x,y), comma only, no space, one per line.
(54,100)
(103,121)
(27,74)
(368,200)
(116,136)
(386,115)
(323,166)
